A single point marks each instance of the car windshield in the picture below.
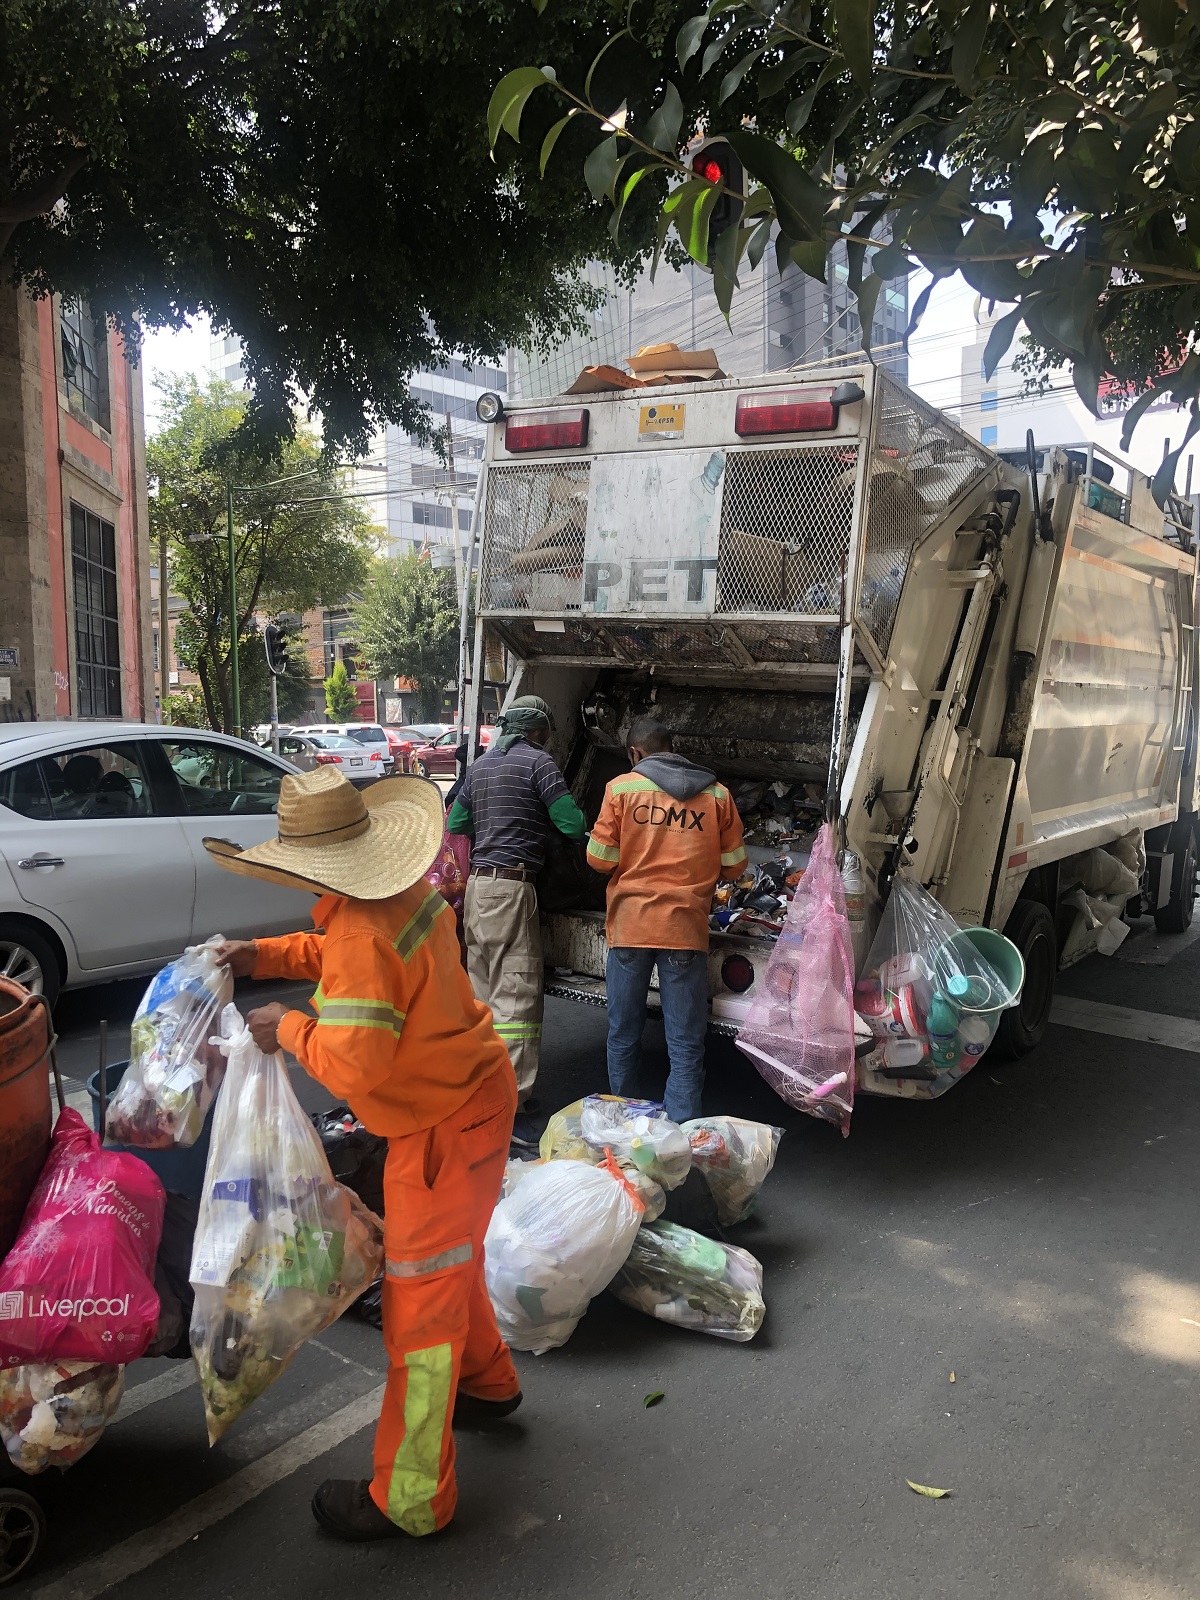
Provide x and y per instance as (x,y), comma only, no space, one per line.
(368,735)
(427,730)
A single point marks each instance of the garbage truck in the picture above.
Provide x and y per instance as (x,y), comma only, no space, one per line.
(980,669)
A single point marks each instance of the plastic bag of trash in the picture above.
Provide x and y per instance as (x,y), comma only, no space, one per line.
(735,1156)
(563,1139)
(933,993)
(639,1133)
(800,1031)
(679,1276)
(281,1249)
(356,1156)
(552,1244)
(174,1071)
(51,1415)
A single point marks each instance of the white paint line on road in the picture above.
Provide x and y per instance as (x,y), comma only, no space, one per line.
(347,1361)
(179,1375)
(1176,1033)
(141,1550)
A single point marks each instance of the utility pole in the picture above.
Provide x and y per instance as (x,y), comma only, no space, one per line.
(274,713)
(164,632)
(233,616)
(453,484)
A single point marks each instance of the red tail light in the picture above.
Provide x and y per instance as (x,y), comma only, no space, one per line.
(326,758)
(546,430)
(737,974)
(375,756)
(785,411)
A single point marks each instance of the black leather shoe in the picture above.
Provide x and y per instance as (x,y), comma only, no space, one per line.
(470,1412)
(343,1507)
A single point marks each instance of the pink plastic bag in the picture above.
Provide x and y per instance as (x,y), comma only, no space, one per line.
(800,1030)
(448,874)
(78,1285)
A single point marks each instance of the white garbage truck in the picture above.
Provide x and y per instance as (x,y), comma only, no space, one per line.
(980,669)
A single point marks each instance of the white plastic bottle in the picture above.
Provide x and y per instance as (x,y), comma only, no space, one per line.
(855,888)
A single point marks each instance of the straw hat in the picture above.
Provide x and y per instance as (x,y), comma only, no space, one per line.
(333,839)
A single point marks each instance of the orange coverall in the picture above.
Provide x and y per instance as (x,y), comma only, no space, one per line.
(401,1036)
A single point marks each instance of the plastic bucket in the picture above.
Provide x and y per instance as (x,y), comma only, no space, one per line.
(1001,967)
(181,1170)
(24,1102)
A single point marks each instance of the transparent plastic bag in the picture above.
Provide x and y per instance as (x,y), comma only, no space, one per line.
(281,1249)
(52,1415)
(735,1157)
(552,1244)
(931,992)
(681,1277)
(800,1030)
(640,1134)
(174,1071)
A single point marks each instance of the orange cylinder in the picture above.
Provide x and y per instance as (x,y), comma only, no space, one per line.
(24,1103)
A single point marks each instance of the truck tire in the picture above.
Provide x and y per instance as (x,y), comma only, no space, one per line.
(26,957)
(1031,929)
(1176,915)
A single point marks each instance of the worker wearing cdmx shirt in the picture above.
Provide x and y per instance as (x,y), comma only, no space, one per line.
(666,832)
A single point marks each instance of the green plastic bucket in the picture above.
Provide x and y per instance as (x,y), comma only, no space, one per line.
(988,954)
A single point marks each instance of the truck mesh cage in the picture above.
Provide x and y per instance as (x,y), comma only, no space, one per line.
(919,465)
(620,641)
(536,516)
(786,517)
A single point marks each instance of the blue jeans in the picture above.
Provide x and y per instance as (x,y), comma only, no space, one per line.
(683,989)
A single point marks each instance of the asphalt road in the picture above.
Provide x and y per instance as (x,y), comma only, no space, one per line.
(1032,1234)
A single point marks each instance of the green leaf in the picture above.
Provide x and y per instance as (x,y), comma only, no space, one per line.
(776,78)
(999,339)
(1136,411)
(919,306)
(1157,19)
(600,168)
(662,130)
(689,207)
(599,56)
(810,256)
(758,241)
(1163,482)
(627,188)
(968,42)
(854,29)
(868,294)
(800,203)
(1185,154)
(735,74)
(551,140)
(800,110)
(539,6)
(688,40)
(923,1488)
(508,101)
(653,1399)
(719,45)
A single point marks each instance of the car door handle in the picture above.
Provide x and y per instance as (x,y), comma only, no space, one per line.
(29,862)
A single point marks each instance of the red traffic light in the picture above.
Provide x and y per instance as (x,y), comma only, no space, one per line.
(710,170)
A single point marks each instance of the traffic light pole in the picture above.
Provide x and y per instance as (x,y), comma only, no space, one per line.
(274,713)
(233,616)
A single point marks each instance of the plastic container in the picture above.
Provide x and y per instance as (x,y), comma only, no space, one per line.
(1001,959)
(25,1118)
(181,1170)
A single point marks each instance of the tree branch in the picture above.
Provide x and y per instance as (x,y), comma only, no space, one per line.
(41,198)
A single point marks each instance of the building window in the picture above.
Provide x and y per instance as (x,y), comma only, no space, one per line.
(989,400)
(988,436)
(85,359)
(97,631)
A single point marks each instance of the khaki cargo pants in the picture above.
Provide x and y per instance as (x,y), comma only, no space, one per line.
(504,962)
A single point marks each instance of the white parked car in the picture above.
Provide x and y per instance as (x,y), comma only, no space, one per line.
(370,735)
(102,871)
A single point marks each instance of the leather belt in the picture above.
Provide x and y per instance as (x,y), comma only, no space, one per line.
(517,873)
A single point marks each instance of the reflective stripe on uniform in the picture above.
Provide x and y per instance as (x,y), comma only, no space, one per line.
(318,999)
(718,791)
(453,1257)
(603,852)
(730,858)
(418,927)
(633,784)
(517,1030)
(417,1464)
(361,1014)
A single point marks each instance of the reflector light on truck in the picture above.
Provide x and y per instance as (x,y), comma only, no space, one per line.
(785,411)
(546,430)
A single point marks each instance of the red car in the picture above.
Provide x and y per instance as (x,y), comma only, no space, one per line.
(403,741)
(440,759)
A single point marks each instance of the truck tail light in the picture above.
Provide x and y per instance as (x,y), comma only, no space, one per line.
(785,411)
(546,430)
(737,974)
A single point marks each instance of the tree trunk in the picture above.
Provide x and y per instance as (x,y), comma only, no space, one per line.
(210,707)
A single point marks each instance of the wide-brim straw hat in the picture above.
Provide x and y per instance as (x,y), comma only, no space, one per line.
(367,845)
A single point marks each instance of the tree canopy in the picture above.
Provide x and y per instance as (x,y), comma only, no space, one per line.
(1049,150)
(406,625)
(298,542)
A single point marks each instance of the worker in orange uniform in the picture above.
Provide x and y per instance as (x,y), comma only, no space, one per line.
(666,832)
(400,1035)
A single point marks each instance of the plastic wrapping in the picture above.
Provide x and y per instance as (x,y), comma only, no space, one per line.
(639,1133)
(800,1031)
(51,1415)
(681,1277)
(563,1139)
(281,1249)
(448,874)
(735,1157)
(78,1283)
(174,1071)
(553,1243)
(932,993)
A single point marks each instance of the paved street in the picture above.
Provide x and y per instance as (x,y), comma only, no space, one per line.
(1033,1234)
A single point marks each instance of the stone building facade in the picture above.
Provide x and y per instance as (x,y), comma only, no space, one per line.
(75,631)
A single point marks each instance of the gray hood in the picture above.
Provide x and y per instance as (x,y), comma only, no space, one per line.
(680,777)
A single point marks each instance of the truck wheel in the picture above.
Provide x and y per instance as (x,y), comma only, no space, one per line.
(1176,915)
(1031,929)
(22,1529)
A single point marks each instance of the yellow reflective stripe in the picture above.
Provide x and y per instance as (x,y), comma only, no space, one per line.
(417,1464)
(729,858)
(517,1030)
(419,926)
(361,1014)
(603,852)
(417,1269)
(718,791)
(634,785)
(318,999)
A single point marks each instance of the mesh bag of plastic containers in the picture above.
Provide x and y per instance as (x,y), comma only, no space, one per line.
(639,1133)
(931,992)
(681,1277)
(734,1157)
(173,1071)
(281,1249)
(52,1415)
(800,1030)
(554,1242)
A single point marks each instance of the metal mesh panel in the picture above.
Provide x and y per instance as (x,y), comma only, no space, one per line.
(785,529)
(534,525)
(576,640)
(668,644)
(919,466)
(791,641)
